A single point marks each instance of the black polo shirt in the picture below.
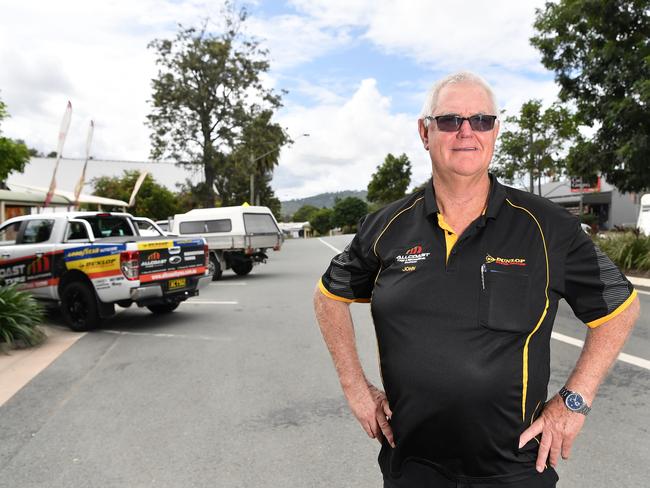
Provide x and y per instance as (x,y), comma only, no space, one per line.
(464,340)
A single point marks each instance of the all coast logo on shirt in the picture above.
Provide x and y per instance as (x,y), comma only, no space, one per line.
(411,257)
(505,261)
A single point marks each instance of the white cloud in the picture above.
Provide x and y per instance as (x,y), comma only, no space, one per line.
(441,35)
(347,142)
(293,40)
(92,53)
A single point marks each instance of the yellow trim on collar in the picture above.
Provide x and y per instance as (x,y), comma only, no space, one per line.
(450,236)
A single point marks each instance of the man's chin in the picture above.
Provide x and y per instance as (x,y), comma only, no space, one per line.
(466,168)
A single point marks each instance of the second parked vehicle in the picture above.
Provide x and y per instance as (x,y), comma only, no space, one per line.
(238,237)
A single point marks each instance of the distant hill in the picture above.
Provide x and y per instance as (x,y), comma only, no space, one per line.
(320,200)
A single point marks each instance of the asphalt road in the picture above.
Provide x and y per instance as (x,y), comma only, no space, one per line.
(237,390)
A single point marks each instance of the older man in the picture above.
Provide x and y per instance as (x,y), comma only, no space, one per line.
(464,279)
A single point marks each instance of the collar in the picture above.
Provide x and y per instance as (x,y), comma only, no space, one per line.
(495,199)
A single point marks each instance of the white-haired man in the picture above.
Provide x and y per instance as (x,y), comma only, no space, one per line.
(464,279)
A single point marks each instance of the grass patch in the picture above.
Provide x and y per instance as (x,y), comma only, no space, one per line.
(628,250)
(20,316)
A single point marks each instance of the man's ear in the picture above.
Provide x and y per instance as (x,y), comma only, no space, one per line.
(424,133)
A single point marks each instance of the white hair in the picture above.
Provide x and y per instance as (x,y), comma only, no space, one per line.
(431,102)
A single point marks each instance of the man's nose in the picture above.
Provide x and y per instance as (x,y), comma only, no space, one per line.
(465,129)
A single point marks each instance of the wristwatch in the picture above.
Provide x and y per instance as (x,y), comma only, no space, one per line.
(574,401)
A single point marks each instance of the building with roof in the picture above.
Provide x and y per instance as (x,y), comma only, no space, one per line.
(610,208)
(24,200)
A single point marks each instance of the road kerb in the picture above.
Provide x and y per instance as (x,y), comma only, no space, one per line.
(636,281)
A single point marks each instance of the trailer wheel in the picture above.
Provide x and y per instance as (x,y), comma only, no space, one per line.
(79,306)
(163,308)
(214,268)
(242,268)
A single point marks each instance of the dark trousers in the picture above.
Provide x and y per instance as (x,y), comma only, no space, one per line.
(416,475)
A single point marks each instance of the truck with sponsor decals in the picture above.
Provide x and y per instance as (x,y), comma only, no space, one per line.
(238,237)
(87,262)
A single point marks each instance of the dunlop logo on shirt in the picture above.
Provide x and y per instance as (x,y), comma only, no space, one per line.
(505,261)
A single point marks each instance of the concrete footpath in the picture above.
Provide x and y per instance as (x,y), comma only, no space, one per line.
(19,366)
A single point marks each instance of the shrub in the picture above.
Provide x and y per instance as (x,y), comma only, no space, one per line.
(20,316)
(627,249)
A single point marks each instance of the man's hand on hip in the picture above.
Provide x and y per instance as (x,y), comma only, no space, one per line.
(559,428)
(370,406)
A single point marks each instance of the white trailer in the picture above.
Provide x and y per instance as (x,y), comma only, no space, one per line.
(237,237)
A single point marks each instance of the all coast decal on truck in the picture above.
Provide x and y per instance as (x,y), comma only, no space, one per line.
(162,260)
(32,271)
(96,261)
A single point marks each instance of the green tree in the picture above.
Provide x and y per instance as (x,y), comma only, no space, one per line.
(390,181)
(188,196)
(536,143)
(600,53)
(321,220)
(304,213)
(207,92)
(14,155)
(347,212)
(153,200)
(256,156)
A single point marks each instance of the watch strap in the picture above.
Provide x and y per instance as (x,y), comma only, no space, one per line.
(564,394)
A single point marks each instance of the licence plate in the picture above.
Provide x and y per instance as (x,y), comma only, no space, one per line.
(177,283)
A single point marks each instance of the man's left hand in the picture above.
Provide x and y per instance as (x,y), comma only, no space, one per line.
(559,428)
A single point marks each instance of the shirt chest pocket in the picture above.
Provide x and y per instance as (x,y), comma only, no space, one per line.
(505,300)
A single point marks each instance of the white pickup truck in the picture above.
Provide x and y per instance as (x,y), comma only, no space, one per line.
(89,261)
(238,237)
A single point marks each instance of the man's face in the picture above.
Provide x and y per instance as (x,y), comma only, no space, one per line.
(466,152)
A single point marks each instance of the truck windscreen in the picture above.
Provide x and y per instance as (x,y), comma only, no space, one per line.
(109,226)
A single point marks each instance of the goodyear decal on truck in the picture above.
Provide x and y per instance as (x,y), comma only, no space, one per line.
(95,261)
(30,272)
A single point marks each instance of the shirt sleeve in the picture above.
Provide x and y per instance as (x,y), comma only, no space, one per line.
(351,274)
(594,287)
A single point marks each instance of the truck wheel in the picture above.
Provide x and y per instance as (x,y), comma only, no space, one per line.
(79,306)
(242,268)
(163,308)
(214,268)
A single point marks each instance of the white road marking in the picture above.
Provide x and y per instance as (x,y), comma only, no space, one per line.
(337,251)
(212,302)
(167,336)
(626,358)
(642,292)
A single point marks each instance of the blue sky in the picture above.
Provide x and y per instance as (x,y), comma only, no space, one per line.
(357,72)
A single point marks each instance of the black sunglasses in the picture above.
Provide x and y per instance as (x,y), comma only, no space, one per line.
(452,123)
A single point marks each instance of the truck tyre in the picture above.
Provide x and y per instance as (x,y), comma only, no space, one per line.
(214,268)
(79,306)
(163,308)
(242,268)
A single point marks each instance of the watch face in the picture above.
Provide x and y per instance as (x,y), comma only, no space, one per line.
(574,401)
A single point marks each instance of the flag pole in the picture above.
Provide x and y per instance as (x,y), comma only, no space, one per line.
(63,132)
(82,179)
